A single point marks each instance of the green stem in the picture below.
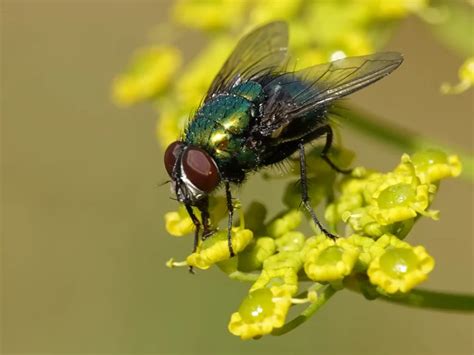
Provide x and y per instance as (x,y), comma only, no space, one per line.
(397,136)
(434,300)
(441,301)
(323,297)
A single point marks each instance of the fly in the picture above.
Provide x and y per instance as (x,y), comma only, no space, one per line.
(256,114)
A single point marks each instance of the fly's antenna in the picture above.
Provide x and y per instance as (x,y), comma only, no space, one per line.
(161,184)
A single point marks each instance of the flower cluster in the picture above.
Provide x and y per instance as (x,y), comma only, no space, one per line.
(371,211)
(375,204)
(377,210)
(466,79)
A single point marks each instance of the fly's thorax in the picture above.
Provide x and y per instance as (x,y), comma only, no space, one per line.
(250,90)
(220,125)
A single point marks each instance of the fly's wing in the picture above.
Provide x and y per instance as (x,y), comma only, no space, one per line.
(294,95)
(260,52)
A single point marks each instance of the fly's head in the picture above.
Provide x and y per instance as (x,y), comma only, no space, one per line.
(194,173)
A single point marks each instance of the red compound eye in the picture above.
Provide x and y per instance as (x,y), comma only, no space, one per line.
(171,155)
(200,169)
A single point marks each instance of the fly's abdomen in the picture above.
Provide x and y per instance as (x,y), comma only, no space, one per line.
(287,92)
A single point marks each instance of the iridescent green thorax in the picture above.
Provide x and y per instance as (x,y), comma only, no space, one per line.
(221,126)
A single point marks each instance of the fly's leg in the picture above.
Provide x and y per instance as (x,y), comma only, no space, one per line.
(197,226)
(230,209)
(324,154)
(204,209)
(305,196)
(206,232)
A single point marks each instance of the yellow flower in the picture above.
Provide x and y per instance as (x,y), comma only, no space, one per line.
(466,72)
(359,219)
(345,207)
(363,244)
(355,43)
(259,313)
(400,196)
(253,256)
(263,11)
(285,223)
(215,248)
(330,20)
(353,196)
(209,15)
(384,242)
(362,222)
(400,202)
(374,204)
(466,79)
(433,165)
(290,241)
(282,260)
(178,223)
(148,76)
(398,267)
(396,8)
(282,282)
(330,260)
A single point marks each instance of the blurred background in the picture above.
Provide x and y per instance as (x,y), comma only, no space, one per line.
(83,239)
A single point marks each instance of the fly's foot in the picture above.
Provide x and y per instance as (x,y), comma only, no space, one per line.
(329,234)
(207,233)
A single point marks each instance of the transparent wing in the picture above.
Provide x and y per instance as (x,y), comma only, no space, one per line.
(258,53)
(293,95)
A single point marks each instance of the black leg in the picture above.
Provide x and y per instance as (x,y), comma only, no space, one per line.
(204,209)
(197,226)
(305,196)
(230,209)
(324,154)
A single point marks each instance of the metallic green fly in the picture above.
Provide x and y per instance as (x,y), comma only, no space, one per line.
(256,114)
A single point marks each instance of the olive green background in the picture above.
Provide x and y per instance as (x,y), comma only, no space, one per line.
(83,242)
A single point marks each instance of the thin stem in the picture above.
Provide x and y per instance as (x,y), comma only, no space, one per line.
(397,136)
(435,300)
(323,297)
(441,301)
